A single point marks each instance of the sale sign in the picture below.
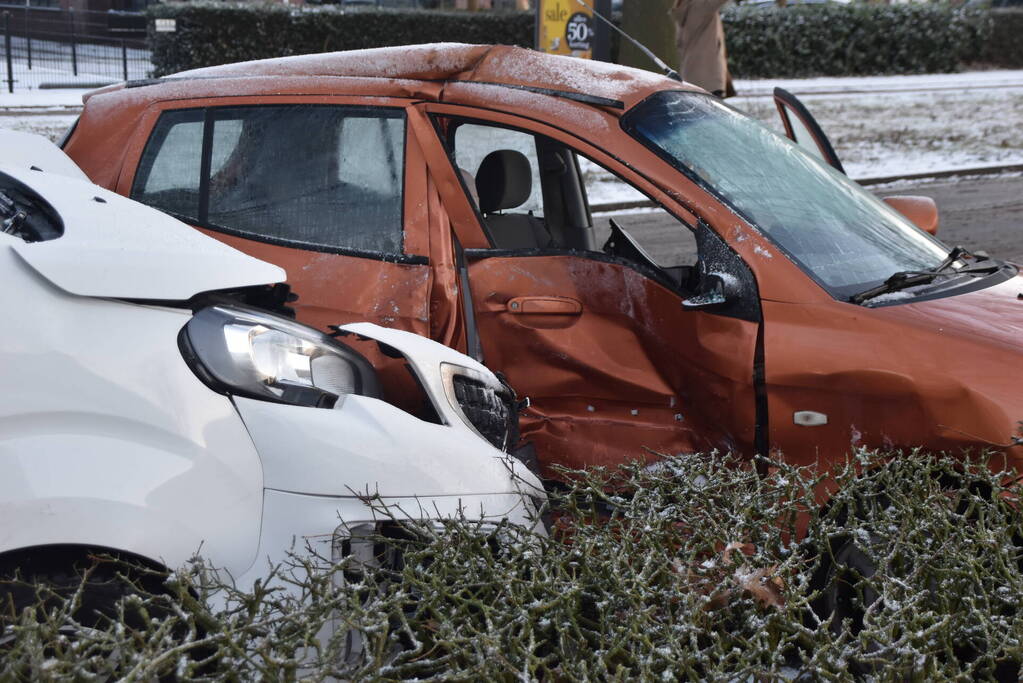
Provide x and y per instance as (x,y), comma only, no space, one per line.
(565,27)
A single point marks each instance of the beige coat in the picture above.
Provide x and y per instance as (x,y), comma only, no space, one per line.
(701,45)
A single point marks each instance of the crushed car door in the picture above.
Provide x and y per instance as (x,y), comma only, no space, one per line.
(803,129)
(597,324)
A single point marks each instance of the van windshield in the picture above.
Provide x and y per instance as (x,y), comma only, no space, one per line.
(838,233)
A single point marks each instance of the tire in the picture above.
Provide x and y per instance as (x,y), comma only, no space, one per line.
(847,568)
(847,593)
(45,580)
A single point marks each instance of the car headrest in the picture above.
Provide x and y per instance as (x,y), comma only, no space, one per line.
(503,180)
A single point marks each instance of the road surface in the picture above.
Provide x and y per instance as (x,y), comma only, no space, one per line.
(978,213)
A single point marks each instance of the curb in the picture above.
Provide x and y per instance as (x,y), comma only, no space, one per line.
(953,173)
(811,92)
(40,110)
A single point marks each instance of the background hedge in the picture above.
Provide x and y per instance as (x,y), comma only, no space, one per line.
(837,40)
(221,33)
(791,42)
(1005,47)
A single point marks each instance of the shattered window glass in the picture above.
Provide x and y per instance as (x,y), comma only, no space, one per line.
(168,177)
(669,242)
(316,176)
(322,177)
(837,232)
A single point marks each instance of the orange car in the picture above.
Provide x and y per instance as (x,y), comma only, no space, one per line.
(765,303)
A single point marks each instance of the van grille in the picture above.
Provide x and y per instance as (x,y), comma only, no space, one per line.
(490,411)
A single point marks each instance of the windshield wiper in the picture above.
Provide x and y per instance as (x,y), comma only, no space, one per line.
(904,279)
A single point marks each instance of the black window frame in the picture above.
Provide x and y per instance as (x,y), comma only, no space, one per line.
(210,116)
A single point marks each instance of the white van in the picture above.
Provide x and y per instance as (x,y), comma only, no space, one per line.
(148,409)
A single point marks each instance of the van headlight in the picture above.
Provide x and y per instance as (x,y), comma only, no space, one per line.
(247,352)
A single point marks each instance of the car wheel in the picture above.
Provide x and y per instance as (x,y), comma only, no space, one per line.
(847,590)
(46,582)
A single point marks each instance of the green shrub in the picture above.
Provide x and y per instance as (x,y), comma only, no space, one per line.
(221,33)
(687,570)
(843,40)
(822,40)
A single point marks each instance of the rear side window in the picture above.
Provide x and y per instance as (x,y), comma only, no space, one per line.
(169,173)
(311,176)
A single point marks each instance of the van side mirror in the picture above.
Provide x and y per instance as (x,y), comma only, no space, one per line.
(716,289)
(922,211)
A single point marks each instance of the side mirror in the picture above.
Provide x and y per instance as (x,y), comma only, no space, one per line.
(921,210)
(717,289)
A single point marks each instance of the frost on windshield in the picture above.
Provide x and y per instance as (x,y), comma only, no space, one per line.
(841,235)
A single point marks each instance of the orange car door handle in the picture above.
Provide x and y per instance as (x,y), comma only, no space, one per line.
(544,305)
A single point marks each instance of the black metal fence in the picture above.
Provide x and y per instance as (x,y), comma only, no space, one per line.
(46,47)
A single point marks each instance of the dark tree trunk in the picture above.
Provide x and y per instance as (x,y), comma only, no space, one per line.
(648,22)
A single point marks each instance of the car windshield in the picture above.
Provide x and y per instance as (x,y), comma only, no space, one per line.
(841,235)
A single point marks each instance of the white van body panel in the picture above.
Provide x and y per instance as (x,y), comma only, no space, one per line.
(116,247)
(107,437)
(109,440)
(29,151)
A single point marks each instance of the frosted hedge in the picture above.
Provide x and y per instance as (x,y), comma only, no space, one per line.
(830,39)
(695,569)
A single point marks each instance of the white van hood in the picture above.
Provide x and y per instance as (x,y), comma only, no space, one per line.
(115,247)
(36,152)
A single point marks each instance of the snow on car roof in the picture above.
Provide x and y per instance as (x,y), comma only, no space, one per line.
(440,62)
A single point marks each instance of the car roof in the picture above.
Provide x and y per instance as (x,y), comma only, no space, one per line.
(583,95)
(438,63)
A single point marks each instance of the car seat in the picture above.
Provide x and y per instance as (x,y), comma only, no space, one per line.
(504,180)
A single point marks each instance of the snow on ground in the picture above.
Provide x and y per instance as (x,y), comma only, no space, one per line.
(38,100)
(988,79)
(900,133)
(998,78)
(51,126)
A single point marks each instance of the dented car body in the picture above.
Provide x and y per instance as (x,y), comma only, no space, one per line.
(443,190)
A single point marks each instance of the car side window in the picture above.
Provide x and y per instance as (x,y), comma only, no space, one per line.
(169,172)
(667,241)
(321,177)
(475,144)
(534,192)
